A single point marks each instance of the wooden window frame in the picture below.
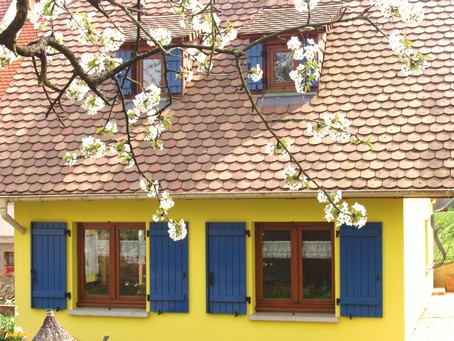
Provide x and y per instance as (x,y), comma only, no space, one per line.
(296,303)
(113,299)
(271,84)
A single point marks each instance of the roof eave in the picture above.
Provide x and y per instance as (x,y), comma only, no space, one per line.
(376,194)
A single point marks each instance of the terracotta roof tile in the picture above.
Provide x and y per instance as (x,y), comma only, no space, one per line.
(217,145)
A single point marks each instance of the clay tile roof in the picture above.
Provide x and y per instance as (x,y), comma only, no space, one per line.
(217,146)
(27,34)
(4,5)
(273,19)
(170,22)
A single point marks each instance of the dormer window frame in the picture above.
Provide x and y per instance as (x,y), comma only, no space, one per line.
(175,60)
(263,54)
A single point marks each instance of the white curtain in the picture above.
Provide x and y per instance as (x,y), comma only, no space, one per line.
(319,249)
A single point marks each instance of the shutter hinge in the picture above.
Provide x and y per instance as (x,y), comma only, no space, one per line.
(248,299)
(248,233)
(148,233)
(68,295)
(148,298)
(68,233)
(338,301)
(338,232)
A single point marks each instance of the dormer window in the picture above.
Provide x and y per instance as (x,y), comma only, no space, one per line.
(276,61)
(151,71)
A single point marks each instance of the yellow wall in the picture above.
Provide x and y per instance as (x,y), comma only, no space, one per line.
(197,325)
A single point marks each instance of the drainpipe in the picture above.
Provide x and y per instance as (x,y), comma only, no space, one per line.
(10,220)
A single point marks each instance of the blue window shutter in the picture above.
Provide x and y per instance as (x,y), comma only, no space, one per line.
(168,271)
(174,63)
(48,265)
(303,61)
(361,281)
(226,268)
(255,56)
(127,85)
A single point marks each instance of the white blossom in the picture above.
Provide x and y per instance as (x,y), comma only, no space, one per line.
(7,57)
(336,126)
(162,35)
(411,13)
(93,148)
(278,149)
(111,127)
(151,187)
(166,202)
(292,180)
(93,63)
(112,39)
(77,90)
(177,230)
(93,104)
(294,43)
(343,214)
(255,73)
(305,5)
(82,22)
(70,159)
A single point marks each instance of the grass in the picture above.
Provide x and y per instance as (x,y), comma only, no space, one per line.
(445,223)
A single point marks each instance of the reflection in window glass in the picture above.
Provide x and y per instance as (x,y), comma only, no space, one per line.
(132,262)
(276,264)
(151,72)
(283,64)
(316,263)
(97,262)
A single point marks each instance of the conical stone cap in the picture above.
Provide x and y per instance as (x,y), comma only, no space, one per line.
(51,330)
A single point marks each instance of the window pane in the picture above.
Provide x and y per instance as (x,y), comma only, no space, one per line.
(132,263)
(152,72)
(317,272)
(283,64)
(276,264)
(97,262)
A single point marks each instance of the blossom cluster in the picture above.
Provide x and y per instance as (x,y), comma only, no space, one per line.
(336,126)
(160,35)
(212,33)
(340,211)
(255,73)
(279,149)
(6,56)
(305,5)
(294,180)
(177,229)
(412,63)
(45,11)
(306,74)
(411,13)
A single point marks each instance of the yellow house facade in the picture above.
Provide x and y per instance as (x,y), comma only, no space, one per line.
(406,277)
(260,262)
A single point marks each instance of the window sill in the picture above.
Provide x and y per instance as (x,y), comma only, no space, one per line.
(276,98)
(112,312)
(294,317)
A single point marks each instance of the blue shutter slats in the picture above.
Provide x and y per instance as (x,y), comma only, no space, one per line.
(361,271)
(127,85)
(168,271)
(254,56)
(174,63)
(48,265)
(303,61)
(226,268)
